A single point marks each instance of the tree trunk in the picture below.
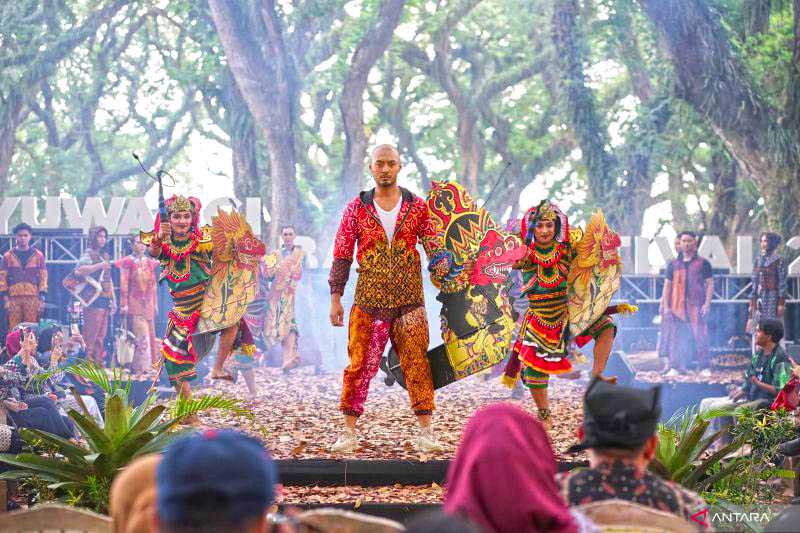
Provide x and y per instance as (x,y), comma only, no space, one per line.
(601,166)
(470,147)
(351,102)
(267,86)
(712,79)
(243,140)
(12,114)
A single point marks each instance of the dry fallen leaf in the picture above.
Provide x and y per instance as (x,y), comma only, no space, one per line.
(358,504)
(297,450)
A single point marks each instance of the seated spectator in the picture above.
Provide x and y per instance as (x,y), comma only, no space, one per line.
(132,498)
(619,432)
(37,412)
(502,477)
(26,364)
(215,481)
(51,344)
(769,370)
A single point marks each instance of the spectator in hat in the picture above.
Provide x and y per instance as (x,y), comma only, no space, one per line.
(214,481)
(619,433)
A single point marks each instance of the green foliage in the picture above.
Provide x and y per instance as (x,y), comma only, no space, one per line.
(736,472)
(682,444)
(155,78)
(82,473)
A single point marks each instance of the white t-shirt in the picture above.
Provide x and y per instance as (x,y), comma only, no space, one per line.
(389,219)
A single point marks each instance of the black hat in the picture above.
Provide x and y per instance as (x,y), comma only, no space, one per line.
(618,417)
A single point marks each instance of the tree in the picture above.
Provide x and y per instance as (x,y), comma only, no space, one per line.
(619,180)
(351,101)
(762,136)
(39,36)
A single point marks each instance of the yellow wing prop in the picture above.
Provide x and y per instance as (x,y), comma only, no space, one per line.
(234,281)
(595,274)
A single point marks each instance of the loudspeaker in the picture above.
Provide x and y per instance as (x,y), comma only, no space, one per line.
(619,366)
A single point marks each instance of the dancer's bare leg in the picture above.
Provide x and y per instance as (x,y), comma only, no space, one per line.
(250,380)
(602,350)
(291,359)
(184,390)
(226,339)
(542,402)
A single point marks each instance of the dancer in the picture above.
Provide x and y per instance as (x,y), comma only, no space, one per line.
(186,253)
(541,347)
(386,223)
(94,267)
(23,279)
(280,326)
(243,361)
(138,302)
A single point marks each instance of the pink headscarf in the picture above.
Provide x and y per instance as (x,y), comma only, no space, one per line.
(502,477)
(13,343)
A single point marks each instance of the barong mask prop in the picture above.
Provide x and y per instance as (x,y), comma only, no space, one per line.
(463,228)
(476,316)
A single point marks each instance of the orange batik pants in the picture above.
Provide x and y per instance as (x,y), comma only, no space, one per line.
(367,337)
(22,309)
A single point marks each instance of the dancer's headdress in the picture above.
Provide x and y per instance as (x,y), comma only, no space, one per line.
(545,211)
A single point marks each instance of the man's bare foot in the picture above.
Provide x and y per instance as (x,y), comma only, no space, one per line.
(221,374)
(291,365)
(608,379)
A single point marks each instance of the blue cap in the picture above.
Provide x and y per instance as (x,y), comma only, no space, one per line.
(215,476)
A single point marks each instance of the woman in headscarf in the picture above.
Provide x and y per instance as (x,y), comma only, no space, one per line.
(101,305)
(502,477)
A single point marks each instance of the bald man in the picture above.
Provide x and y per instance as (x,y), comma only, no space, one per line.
(385,222)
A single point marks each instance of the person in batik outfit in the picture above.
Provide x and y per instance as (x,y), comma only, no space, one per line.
(23,279)
(386,223)
(685,302)
(541,347)
(94,263)
(666,327)
(138,302)
(769,287)
(280,325)
(186,252)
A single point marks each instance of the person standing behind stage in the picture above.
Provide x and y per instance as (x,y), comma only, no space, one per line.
(23,279)
(769,287)
(94,263)
(386,222)
(280,325)
(664,330)
(138,286)
(685,302)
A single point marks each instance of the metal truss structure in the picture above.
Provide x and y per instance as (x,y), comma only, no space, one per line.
(728,288)
(67,248)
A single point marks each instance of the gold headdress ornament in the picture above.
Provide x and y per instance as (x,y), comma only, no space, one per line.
(546,212)
(181,203)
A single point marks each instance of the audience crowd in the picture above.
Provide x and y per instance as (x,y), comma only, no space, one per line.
(503,477)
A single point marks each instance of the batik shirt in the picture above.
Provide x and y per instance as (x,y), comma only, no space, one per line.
(389,274)
(616,480)
(23,273)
